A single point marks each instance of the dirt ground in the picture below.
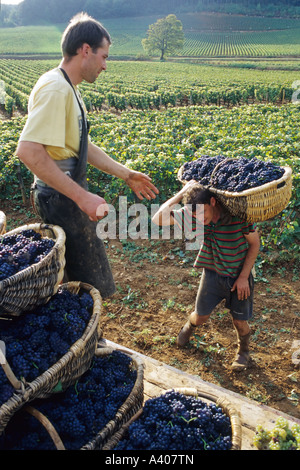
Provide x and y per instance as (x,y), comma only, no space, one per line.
(156,291)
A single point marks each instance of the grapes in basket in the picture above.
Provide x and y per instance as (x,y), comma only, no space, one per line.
(39,338)
(80,412)
(234,175)
(21,250)
(175,421)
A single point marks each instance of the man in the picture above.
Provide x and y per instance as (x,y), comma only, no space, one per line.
(227,255)
(55,146)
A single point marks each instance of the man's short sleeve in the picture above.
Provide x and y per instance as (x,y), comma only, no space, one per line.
(46,121)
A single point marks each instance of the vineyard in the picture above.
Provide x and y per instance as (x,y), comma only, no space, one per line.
(206,35)
(150,85)
(153,117)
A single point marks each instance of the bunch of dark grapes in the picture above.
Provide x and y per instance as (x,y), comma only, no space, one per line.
(19,251)
(201,169)
(234,175)
(80,412)
(242,173)
(175,421)
(37,339)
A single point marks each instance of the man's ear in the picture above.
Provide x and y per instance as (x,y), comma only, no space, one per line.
(84,49)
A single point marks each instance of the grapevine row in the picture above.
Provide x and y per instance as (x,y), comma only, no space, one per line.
(147,92)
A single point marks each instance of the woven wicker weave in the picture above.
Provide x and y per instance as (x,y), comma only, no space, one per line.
(256,204)
(36,284)
(226,407)
(2,223)
(68,369)
(129,408)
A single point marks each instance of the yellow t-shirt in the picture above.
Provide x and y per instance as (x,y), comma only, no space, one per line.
(54,116)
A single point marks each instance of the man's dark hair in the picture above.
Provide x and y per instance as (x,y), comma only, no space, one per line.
(81,29)
(197,194)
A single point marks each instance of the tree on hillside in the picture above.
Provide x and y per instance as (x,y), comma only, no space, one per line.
(165,36)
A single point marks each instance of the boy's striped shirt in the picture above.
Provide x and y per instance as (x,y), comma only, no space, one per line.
(224,247)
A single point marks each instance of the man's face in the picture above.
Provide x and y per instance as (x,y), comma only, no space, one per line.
(95,62)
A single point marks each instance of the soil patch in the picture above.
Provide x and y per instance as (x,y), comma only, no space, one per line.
(156,291)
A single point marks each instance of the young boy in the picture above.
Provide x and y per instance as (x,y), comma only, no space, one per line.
(227,255)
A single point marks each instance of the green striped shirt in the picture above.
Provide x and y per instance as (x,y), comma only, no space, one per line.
(224,247)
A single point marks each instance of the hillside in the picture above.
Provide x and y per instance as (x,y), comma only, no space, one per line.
(206,35)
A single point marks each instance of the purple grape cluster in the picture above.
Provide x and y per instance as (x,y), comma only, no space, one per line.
(175,421)
(80,412)
(21,250)
(242,173)
(201,169)
(36,340)
(234,175)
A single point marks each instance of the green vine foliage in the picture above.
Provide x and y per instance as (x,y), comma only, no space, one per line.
(158,142)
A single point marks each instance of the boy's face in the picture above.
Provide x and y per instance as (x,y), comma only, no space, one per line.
(207,212)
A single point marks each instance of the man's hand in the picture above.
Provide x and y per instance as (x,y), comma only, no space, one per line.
(94,206)
(141,185)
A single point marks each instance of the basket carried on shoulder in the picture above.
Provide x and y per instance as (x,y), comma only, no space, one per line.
(35,284)
(255,204)
(2,223)
(68,368)
(226,407)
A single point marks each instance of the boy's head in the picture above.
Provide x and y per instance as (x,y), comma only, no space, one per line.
(198,195)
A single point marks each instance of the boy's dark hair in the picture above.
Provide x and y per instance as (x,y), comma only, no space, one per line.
(197,194)
(81,29)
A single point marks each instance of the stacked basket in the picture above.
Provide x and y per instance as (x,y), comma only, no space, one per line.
(2,222)
(35,286)
(226,407)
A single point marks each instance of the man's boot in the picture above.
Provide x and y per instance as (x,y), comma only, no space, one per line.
(185,333)
(242,357)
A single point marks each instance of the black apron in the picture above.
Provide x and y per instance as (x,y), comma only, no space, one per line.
(86,258)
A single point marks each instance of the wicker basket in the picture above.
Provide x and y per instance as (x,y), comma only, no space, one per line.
(68,369)
(2,223)
(129,408)
(256,204)
(226,407)
(36,284)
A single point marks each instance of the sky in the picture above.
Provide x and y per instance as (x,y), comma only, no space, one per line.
(11,2)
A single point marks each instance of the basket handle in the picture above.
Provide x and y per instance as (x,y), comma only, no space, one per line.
(17,384)
(47,425)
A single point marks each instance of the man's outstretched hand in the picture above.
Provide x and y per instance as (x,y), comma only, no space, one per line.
(141,185)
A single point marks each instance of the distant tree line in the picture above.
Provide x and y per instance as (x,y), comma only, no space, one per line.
(57,11)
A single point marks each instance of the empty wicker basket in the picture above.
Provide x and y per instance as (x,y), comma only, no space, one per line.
(37,283)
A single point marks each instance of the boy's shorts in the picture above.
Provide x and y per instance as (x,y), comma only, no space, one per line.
(214,288)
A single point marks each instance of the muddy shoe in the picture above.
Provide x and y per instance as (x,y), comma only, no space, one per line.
(242,358)
(185,333)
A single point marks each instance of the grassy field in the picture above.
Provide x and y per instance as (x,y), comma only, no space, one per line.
(206,35)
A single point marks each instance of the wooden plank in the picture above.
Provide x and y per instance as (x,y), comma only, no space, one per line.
(159,377)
